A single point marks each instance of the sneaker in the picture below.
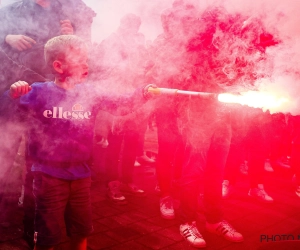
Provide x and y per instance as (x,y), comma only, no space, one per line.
(224,229)
(167,208)
(268,167)
(137,164)
(103,143)
(114,193)
(132,189)
(284,162)
(226,189)
(145,159)
(191,234)
(260,194)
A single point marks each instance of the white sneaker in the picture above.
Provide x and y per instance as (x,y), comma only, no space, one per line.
(167,208)
(132,189)
(226,189)
(191,234)
(145,159)
(268,167)
(114,193)
(224,229)
(260,194)
(137,164)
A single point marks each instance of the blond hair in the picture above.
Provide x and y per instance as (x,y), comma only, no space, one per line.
(57,48)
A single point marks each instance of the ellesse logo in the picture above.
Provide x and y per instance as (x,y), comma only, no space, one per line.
(76,113)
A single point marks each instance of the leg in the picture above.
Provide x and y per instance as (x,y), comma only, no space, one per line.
(257,154)
(167,134)
(78,214)
(214,172)
(129,154)
(78,243)
(51,197)
(113,156)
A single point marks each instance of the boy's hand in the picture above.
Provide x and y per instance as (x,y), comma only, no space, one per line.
(19,42)
(66,27)
(18,89)
(147,94)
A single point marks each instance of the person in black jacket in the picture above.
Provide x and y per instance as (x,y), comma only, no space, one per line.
(28,26)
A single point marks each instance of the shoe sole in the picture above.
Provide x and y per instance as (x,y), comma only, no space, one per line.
(167,217)
(223,236)
(191,244)
(117,202)
(260,200)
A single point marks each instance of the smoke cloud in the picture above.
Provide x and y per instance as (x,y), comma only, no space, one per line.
(278,18)
(276,68)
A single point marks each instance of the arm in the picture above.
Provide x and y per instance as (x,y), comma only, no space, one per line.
(9,100)
(123,105)
(13,19)
(19,42)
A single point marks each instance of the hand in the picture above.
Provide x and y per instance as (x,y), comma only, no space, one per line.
(18,89)
(19,42)
(66,27)
(147,94)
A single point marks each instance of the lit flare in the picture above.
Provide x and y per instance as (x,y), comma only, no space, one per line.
(255,99)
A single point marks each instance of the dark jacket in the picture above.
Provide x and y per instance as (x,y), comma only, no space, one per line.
(30,19)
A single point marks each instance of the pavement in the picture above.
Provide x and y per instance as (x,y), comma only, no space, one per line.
(138,225)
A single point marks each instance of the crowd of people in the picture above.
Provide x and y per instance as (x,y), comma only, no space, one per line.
(62,94)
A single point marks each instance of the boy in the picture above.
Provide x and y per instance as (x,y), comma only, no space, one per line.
(60,140)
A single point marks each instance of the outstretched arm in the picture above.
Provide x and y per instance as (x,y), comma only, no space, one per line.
(123,105)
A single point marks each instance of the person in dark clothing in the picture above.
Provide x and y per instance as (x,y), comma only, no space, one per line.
(255,134)
(28,26)
(124,61)
(170,58)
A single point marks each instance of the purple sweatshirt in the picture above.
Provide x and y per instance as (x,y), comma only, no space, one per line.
(61,125)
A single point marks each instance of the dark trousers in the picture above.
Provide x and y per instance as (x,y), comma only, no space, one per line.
(170,149)
(124,157)
(249,142)
(203,172)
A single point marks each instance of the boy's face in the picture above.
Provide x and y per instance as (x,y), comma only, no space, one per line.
(75,66)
